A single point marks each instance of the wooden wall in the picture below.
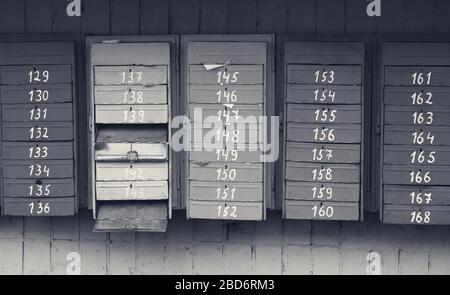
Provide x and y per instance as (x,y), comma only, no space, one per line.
(39,245)
(134,17)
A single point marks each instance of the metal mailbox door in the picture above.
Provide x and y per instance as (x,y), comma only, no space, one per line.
(38,114)
(415,157)
(323,159)
(132,80)
(227,80)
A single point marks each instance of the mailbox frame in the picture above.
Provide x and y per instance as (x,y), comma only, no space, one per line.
(172,102)
(269,106)
(281,90)
(379,86)
(77,103)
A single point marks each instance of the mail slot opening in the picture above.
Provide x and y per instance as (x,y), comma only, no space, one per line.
(132,216)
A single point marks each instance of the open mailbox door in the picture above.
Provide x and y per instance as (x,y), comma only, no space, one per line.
(38,115)
(131,179)
(415,160)
(228,80)
(324,155)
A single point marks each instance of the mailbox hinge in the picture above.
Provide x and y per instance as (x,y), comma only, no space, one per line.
(111,41)
(177,65)
(378,126)
(272,53)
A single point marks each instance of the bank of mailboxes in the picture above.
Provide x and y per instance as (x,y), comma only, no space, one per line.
(415,182)
(38,103)
(130,111)
(225,86)
(228,79)
(323,144)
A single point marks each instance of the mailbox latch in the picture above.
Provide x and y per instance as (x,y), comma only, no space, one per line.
(132,156)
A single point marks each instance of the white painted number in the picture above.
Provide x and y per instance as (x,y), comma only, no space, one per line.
(322,211)
(323,76)
(226,193)
(420,177)
(38,114)
(419,217)
(324,95)
(40,208)
(324,134)
(322,192)
(38,76)
(421,78)
(38,152)
(131,77)
(37,95)
(419,198)
(39,170)
(224,77)
(226,211)
(325,115)
(39,190)
(132,96)
(38,132)
(226,96)
(420,98)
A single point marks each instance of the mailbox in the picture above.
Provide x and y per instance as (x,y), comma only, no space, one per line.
(131,178)
(323,161)
(38,115)
(228,80)
(415,158)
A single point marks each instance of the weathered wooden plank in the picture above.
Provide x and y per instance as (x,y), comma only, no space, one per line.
(124,17)
(93,257)
(242,18)
(62,23)
(419,16)
(204,253)
(178,258)
(96,17)
(12,16)
(154,17)
(392,17)
(214,16)
(271,16)
(36,257)
(11,255)
(237,258)
(356,18)
(38,16)
(37,228)
(11,227)
(149,255)
(87,225)
(330,16)
(301,16)
(184,16)
(66,228)
(62,262)
(122,259)
(442,21)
